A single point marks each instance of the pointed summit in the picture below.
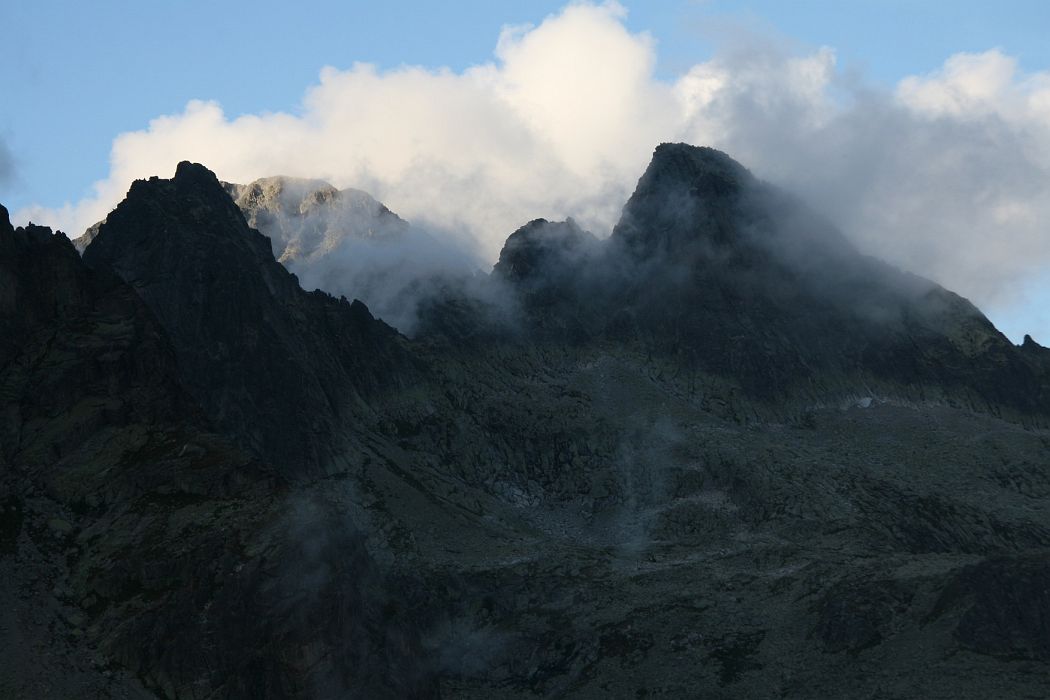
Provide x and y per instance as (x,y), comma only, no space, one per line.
(187,172)
(704,171)
(687,193)
(250,340)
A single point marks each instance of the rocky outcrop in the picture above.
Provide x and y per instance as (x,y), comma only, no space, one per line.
(1003,603)
(84,240)
(541,254)
(549,265)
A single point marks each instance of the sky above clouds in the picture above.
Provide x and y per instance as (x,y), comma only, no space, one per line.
(921,129)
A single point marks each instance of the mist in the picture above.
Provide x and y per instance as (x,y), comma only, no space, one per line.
(946,174)
(346,243)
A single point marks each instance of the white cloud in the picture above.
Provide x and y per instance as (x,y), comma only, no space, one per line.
(947,175)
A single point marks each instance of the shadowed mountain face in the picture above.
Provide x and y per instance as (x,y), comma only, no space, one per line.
(252,346)
(87,338)
(715,270)
(124,518)
(719,454)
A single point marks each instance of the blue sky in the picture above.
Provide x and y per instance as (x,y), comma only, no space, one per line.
(76,75)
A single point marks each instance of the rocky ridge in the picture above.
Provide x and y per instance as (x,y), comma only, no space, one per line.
(264,348)
(306,218)
(720,454)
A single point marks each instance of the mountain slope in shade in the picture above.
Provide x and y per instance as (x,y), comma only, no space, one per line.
(124,518)
(718,271)
(718,455)
(252,345)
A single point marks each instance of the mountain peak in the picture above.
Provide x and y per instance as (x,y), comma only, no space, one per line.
(247,337)
(281,194)
(293,196)
(694,172)
(186,172)
(687,194)
(693,165)
(541,247)
(307,218)
(1029,344)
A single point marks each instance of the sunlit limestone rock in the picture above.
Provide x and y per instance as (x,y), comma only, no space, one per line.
(344,242)
(308,218)
(83,241)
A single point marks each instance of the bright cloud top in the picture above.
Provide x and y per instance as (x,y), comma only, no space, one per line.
(948,175)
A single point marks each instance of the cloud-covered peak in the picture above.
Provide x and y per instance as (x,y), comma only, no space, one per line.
(677,166)
(947,175)
(306,217)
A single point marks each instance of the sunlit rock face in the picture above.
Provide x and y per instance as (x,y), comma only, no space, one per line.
(308,218)
(348,244)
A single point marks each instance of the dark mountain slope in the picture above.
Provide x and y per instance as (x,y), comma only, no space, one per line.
(124,520)
(570,492)
(88,340)
(285,371)
(718,271)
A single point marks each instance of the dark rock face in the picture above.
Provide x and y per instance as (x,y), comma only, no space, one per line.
(857,616)
(718,455)
(125,520)
(311,617)
(1005,602)
(285,371)
(540,255)
(104,342)
(719,271)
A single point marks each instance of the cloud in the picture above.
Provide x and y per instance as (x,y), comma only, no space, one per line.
(948,174)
